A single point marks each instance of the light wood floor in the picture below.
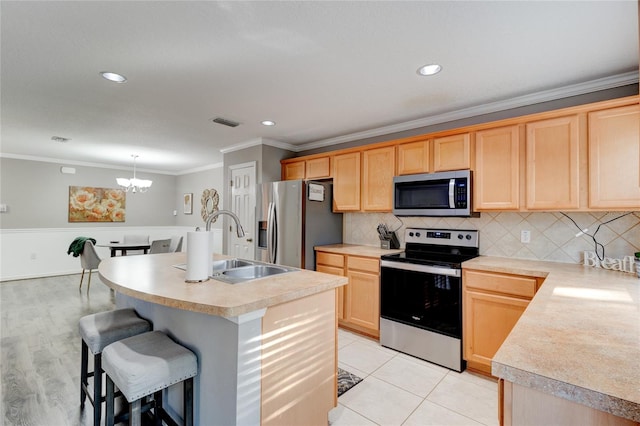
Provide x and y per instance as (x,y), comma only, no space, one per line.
(40,349)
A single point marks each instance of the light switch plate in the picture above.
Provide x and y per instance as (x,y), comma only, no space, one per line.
(3,208)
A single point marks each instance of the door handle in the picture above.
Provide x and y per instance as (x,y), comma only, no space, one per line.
(249,240)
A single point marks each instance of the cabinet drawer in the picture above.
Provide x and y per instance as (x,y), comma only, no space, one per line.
(501,283)
(364,264)
(329,259)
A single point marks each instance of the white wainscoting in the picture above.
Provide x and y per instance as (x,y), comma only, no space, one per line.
(41,252)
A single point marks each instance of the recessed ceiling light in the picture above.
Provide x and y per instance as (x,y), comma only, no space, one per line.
(112,76)
(430,69)
(268,123)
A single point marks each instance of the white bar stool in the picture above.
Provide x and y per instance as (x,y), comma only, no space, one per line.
(145,365)
(98,331)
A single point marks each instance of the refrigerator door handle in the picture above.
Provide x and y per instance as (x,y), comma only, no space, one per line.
(272,232)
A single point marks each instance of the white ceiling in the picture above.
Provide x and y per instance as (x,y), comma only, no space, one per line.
(324,71)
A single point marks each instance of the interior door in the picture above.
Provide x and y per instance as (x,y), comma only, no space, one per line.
(243,204)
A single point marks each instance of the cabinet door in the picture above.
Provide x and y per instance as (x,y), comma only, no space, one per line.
(293,171)
(552,164)
(318,168)
(363,300)
(377,179)
(413,158)
(452,153)
(346,182)
(614,158)
(497,177)
(340,290)
(487,321)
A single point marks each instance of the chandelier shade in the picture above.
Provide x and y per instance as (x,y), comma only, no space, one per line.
(134,184)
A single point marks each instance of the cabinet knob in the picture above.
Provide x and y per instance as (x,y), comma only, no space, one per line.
(249,240)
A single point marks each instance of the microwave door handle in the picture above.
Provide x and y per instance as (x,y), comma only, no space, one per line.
(452,191)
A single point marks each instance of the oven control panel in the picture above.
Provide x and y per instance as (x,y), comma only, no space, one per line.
(445,237)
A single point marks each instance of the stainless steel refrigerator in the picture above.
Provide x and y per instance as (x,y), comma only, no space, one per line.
(294,216)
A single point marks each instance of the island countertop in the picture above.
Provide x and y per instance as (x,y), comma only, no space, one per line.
(578,339)
(153,278)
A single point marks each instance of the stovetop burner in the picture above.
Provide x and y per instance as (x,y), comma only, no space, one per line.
(442,247)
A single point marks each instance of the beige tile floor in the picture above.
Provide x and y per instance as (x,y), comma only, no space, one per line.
(402,390)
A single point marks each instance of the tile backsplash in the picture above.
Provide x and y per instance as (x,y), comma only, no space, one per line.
(553,236)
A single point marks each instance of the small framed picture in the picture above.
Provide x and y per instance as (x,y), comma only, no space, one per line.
(188,203)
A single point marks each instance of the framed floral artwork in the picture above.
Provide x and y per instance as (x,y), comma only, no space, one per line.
(188,203)
(89,204)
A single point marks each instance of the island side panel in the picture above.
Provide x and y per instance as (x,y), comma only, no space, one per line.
(227,387)
(299,364)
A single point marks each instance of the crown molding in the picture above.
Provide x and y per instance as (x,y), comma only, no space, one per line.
(503,105)
(108,166)
(260,141)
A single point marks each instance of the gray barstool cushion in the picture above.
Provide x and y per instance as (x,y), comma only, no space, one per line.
(146,363)
(102,329)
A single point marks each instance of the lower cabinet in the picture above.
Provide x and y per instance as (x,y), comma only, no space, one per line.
(492,304)
(358,301)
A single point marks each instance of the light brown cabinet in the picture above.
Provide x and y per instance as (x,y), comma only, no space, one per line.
(552,164)
(314,168)
(453,152)
(413,158)
(346,182)
(359,302)
(497,176)
(331,263)
(492,304)
(362,307)
(614,158)
(293,171)
(378,166)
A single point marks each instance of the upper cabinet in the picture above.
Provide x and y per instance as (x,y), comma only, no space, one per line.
(346,182)
(377,179)
(580,158)
(453,152)
(497,175)
(552,160)
(314,168)
(614,158)
(413,158)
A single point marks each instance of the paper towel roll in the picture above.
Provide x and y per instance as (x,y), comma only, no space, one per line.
(198,257)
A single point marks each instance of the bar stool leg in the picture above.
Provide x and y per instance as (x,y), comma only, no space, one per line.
(135,413)
(159,409)
(83,373)
(188,401)
(97,389)
(109,421)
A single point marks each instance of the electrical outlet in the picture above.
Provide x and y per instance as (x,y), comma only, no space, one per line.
(33,256)
(525,236)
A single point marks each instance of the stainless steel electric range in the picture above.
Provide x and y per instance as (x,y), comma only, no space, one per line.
(421,295)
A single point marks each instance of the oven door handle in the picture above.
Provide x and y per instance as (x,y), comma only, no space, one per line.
(436,270)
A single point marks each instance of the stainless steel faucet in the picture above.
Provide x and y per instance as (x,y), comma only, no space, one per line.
(215,214)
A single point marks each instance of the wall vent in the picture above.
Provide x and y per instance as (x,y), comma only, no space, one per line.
(225,122)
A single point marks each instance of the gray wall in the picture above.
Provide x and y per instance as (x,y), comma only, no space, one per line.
(195,183)
(37,195)
(603,95)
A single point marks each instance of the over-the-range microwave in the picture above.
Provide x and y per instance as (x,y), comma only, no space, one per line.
(433,194)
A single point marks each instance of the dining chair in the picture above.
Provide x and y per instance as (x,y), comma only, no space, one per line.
(160,246)
(176,244)
(89,260)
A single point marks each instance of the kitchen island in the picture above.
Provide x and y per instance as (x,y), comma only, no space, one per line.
(573,357)
(266,348)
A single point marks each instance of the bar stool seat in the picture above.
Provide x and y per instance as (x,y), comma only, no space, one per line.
(98,331)
(147,364)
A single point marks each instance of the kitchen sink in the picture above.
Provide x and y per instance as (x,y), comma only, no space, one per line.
(221,265)
(233,271)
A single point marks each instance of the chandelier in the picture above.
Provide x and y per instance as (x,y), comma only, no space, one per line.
(134,184)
